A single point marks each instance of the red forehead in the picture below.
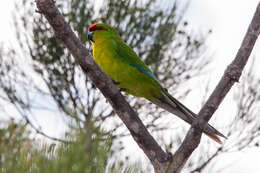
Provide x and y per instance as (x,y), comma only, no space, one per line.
(95,27)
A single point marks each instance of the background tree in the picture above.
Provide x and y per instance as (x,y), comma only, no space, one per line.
(159,36)
(21,153)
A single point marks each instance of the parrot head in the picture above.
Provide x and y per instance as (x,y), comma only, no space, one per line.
(99,30)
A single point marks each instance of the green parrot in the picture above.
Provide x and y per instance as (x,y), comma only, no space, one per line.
(133,76)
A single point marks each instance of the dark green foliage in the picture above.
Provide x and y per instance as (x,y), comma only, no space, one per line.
(14,143)
(42,74)
(39,74)
(86,152)
(157,34)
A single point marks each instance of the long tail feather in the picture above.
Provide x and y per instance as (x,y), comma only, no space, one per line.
(172,105)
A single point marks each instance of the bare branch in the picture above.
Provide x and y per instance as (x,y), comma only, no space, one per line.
(64,33)
(231,75)
(146,142)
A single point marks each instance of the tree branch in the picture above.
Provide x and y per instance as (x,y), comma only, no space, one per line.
(146,142)
(63,32)
(231,75)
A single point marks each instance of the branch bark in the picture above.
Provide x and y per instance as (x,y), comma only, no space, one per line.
(63,32)
(160,160)
(231,75)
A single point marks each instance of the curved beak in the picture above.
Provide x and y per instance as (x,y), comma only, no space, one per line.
(90,36)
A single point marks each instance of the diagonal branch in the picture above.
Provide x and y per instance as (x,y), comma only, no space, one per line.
(231,75)
(146,142)
(63,32)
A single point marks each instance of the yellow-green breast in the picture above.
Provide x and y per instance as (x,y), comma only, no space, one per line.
(133,80)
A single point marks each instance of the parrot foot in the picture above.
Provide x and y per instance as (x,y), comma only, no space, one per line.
(122,89)
(115,82)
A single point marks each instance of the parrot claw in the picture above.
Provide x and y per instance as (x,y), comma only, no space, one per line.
(115,82)
(122,89)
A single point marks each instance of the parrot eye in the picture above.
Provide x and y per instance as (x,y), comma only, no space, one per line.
(95,27)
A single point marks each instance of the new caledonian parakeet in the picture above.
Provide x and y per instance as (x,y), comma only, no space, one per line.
(132,75)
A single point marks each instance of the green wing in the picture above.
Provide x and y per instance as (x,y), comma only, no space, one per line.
(128,56)
(135,75)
